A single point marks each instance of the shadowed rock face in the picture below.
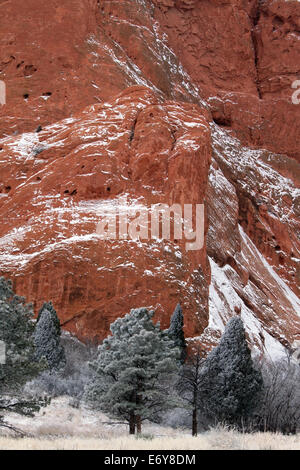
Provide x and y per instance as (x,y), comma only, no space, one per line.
(244,56)
(139,103)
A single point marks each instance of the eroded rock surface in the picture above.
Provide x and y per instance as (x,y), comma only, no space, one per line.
(134,103)
(244,56)
(135,151)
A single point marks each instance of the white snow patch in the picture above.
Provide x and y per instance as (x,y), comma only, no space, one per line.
(222,301)
(288,293)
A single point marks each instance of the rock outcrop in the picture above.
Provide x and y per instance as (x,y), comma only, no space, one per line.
(244,57)
(134,152)
(134,103)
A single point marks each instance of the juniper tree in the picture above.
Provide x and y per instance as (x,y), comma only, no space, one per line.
(19,366)
(176,333)
(49,306)
(133,370)
(232,384)
(47,338)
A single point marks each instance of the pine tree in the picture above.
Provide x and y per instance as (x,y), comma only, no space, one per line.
(133,370)
(176,333)
(16,332)
(47,338)
(232,385)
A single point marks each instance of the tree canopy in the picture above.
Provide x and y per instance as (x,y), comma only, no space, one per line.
(232,386)
(133,370)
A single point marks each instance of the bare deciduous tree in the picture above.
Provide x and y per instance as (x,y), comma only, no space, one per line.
(280,409)
(190,384)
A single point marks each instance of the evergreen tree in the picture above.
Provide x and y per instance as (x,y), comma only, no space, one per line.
(19,366)
(49,306)
(47,338)
(232,385)
(133,370)
(176,333)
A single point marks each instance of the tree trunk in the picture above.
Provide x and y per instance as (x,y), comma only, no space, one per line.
(138,422)
(132,424)
(195,423)
(195,409)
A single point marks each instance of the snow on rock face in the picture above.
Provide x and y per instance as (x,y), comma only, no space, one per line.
(268,203)
(105,102)
(253,245)
(269,309)
(244,57)
(63,57)
(130,153)
(224,301)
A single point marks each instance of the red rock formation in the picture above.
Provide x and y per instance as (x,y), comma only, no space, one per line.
(135,150)
(260,208)
(245,65)
(58,58)
(244,56)
(118,89)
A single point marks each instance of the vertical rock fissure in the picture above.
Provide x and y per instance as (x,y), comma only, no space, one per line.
(132,131)
(254,18)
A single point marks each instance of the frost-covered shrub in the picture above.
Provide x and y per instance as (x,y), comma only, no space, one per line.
(280,404)
(177,418)
(47,339)
(72,378)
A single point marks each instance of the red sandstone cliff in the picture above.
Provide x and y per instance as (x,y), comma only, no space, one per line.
(153,102)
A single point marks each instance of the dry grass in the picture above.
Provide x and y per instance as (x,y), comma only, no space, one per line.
(212,440)
(60,427)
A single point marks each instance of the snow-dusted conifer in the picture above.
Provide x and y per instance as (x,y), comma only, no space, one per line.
(232,384)
(176,331)
(47,339)
(19,366)
(133,371)
(49,306)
